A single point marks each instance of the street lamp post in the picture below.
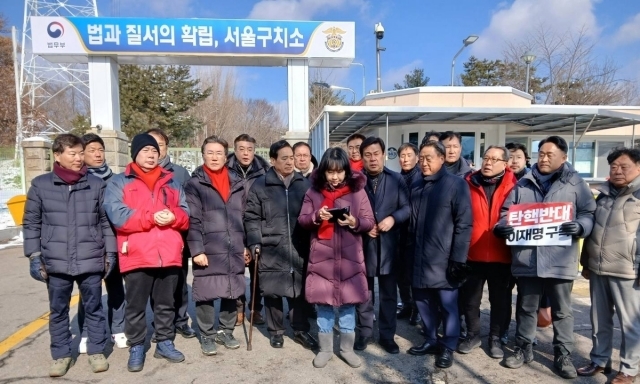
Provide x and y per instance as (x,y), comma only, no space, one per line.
(328,86)
(528,58)
(466,42)
(364,85)
(378,30)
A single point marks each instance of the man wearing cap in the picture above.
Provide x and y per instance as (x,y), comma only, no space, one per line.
(148,210)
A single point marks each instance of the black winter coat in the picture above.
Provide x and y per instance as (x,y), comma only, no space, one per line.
(391,199)
(440,228)
(215,229)
(68,224)
(271,219)
(258,167)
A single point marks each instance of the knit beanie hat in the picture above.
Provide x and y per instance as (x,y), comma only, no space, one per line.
(140,141)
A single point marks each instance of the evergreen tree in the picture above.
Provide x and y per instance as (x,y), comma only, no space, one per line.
(414,79)
(160,96)
(492,73)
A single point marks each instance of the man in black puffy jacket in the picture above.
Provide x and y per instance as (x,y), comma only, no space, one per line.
(271,225)
(66,237)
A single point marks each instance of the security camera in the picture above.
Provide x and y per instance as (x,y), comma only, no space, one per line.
(99,127)
(378,29)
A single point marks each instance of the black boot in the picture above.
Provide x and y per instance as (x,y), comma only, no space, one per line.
(415,318)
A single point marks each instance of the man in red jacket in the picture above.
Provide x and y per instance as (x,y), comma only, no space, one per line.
(148,210)
(489,257)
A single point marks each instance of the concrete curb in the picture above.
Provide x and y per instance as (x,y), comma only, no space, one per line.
(9,233)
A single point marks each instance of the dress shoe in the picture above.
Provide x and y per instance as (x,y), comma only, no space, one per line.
(185,331)
(276,341)
(404,313)
(257,318)
(593,369)
(390,346)
(362,342)
(445,358)
(425,349)
(240,319)
(306,340)
(623,378)
(415,318)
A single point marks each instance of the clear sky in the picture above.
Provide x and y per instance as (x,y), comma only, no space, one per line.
(419,33)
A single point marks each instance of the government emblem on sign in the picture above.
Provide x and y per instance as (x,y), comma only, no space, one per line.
(334,41)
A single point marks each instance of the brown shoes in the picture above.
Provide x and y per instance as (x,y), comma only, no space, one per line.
(623,378)
(593,369)
(240,319)
(257,318)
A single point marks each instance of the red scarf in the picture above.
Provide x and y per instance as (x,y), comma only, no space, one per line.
(356,165)
(220,181)
(325,232)
(69,176)
(149,178)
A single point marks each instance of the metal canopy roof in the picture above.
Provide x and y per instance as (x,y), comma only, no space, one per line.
(537,119)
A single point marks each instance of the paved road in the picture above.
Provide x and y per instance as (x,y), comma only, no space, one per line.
(23,300)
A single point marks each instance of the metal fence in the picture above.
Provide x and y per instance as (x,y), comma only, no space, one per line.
(191,158)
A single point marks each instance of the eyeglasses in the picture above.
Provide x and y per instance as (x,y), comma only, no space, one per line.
(491,160)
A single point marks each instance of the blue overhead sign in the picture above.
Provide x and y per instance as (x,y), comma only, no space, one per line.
(139,36)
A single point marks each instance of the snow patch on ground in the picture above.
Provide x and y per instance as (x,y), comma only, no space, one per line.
(5,218)
(16,241)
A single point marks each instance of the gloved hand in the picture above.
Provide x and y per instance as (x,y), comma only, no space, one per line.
(254,250)
(36,267)
(503,231)
(110,261)
(458,272)
(572,228)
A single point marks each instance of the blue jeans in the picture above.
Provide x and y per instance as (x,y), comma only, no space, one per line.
(327,318)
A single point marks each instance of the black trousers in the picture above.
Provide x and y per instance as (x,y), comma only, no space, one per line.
(388,304)
(160,285)
(60,287)
(558,291)
(403,277)
(243,299)
(297,314)
(497,276)
(206,315)
(181,296)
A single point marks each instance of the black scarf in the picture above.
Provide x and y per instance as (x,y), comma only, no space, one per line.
(103,171)
(408,176)
(454,168)
(545,181)
(489,184)
(520,174)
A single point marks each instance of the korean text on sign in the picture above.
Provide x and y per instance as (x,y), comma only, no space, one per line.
(539,224)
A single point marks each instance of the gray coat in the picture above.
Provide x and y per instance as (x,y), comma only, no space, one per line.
(612,247)
(68,224)
(391,199)
(560,262)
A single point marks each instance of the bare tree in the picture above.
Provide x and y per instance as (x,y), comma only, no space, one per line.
(219,113)
(321,95)
(226,114)
(572,72)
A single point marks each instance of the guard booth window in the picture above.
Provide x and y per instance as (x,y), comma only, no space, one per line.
(413,138)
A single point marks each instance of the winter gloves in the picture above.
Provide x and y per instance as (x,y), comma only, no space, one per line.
(255,251)
(572,228)
(37,269)
(458,272)
(109,263)
(502,231)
